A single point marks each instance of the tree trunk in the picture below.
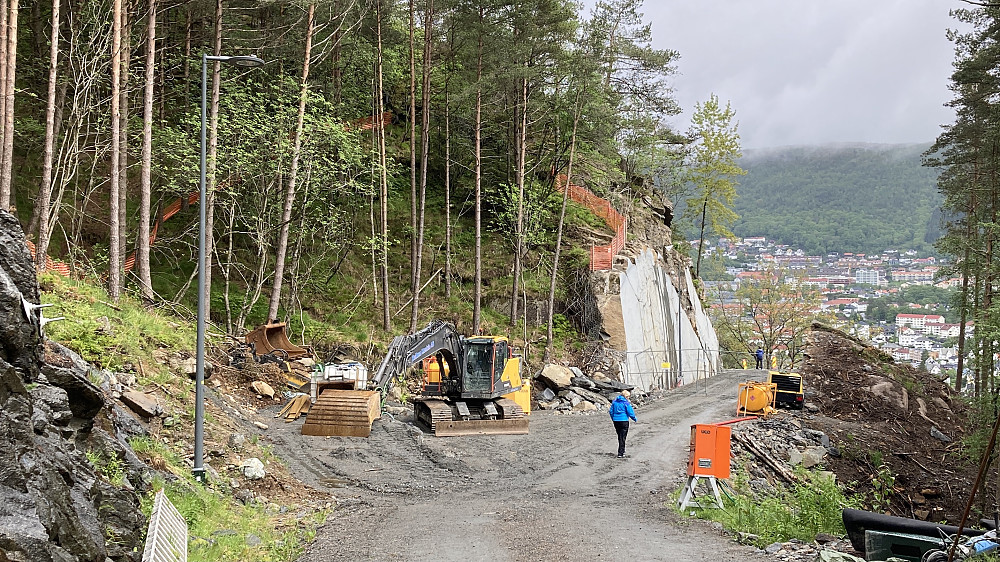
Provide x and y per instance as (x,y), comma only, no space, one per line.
(210,180)
(478,125)
(447,193)
(701,237)
(123,154)
(425,133)
(522,140)
(559,230)
(114,248)
(383,176)
(145,183)
(4,33)
(413,156)
(45,189)
(187,51)
(286,215)
(8,128)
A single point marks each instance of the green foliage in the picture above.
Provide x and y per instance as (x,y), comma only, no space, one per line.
(109,466)
(219,526)
(839,198)
(110,336)
(814,505)
(882,487)
(982,414)
(712,168)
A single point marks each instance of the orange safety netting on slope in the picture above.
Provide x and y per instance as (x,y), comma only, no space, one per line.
(364,124)
(171,210)
(50,264)
(601,257)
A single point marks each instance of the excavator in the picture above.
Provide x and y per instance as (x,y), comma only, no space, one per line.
(471,385)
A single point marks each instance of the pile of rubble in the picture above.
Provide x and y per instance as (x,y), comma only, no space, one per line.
(568,389)
(771,448)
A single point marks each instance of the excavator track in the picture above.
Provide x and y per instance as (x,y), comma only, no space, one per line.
(439,416)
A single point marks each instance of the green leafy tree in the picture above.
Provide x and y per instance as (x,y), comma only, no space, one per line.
(713,169)
(769,313)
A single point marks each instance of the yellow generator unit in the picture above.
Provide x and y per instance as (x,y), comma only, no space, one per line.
(756,398)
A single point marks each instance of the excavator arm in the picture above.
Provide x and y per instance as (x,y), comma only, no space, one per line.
(438,338)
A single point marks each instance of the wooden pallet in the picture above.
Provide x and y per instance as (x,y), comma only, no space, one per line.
(298,406)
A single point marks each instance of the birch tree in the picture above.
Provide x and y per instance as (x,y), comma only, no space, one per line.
(145,179)
(45,188)
(286,215)
(114,247)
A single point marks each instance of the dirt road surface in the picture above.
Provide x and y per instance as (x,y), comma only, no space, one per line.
(557,494)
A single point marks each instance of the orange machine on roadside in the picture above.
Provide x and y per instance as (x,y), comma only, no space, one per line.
(709,460)
(709,450)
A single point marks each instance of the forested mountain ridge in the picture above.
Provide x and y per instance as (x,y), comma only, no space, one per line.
(840,197)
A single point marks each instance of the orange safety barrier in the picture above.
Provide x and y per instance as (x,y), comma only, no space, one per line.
(171,210)
(50,264)
(364,124)
(370,122)
(601,257)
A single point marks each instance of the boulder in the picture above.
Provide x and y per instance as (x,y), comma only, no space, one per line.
(253,469)
(550,405)
(584,406)
(937,434)
(891,393)
(141,403)
(236,441)
(613,385)
(591,396)
(556,376)
(584,382)
(262,388)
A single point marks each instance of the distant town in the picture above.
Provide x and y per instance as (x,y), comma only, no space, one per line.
(896,299)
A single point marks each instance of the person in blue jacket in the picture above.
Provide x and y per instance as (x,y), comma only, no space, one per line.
(621,410)
(760,358)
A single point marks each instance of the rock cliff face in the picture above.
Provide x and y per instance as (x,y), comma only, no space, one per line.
(656,333)
(54,506)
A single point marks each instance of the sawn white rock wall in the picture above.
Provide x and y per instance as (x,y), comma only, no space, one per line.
(664,349)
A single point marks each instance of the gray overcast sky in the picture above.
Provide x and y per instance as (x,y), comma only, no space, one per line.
(813,71)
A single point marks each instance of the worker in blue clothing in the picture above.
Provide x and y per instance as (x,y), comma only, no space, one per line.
(621,410)
(760,358)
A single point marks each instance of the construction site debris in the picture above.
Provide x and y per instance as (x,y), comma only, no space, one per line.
(348,413)
(271,339)
(253,468)
(262,388)
(569,389)
(298,406)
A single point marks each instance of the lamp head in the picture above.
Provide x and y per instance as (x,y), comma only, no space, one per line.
(245,61)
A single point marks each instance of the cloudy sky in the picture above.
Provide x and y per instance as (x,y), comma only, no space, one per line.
(813,71)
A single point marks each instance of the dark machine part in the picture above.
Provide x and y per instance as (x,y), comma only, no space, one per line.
(789,389)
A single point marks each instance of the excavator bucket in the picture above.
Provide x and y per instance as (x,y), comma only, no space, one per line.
(482,427)
(268,338)
(347,413)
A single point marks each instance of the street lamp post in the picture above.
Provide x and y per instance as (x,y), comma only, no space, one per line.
(199,392)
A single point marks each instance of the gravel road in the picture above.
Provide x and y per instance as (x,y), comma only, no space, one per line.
(557,494)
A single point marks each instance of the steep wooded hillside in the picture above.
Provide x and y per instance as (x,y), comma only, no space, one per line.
(845,197)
